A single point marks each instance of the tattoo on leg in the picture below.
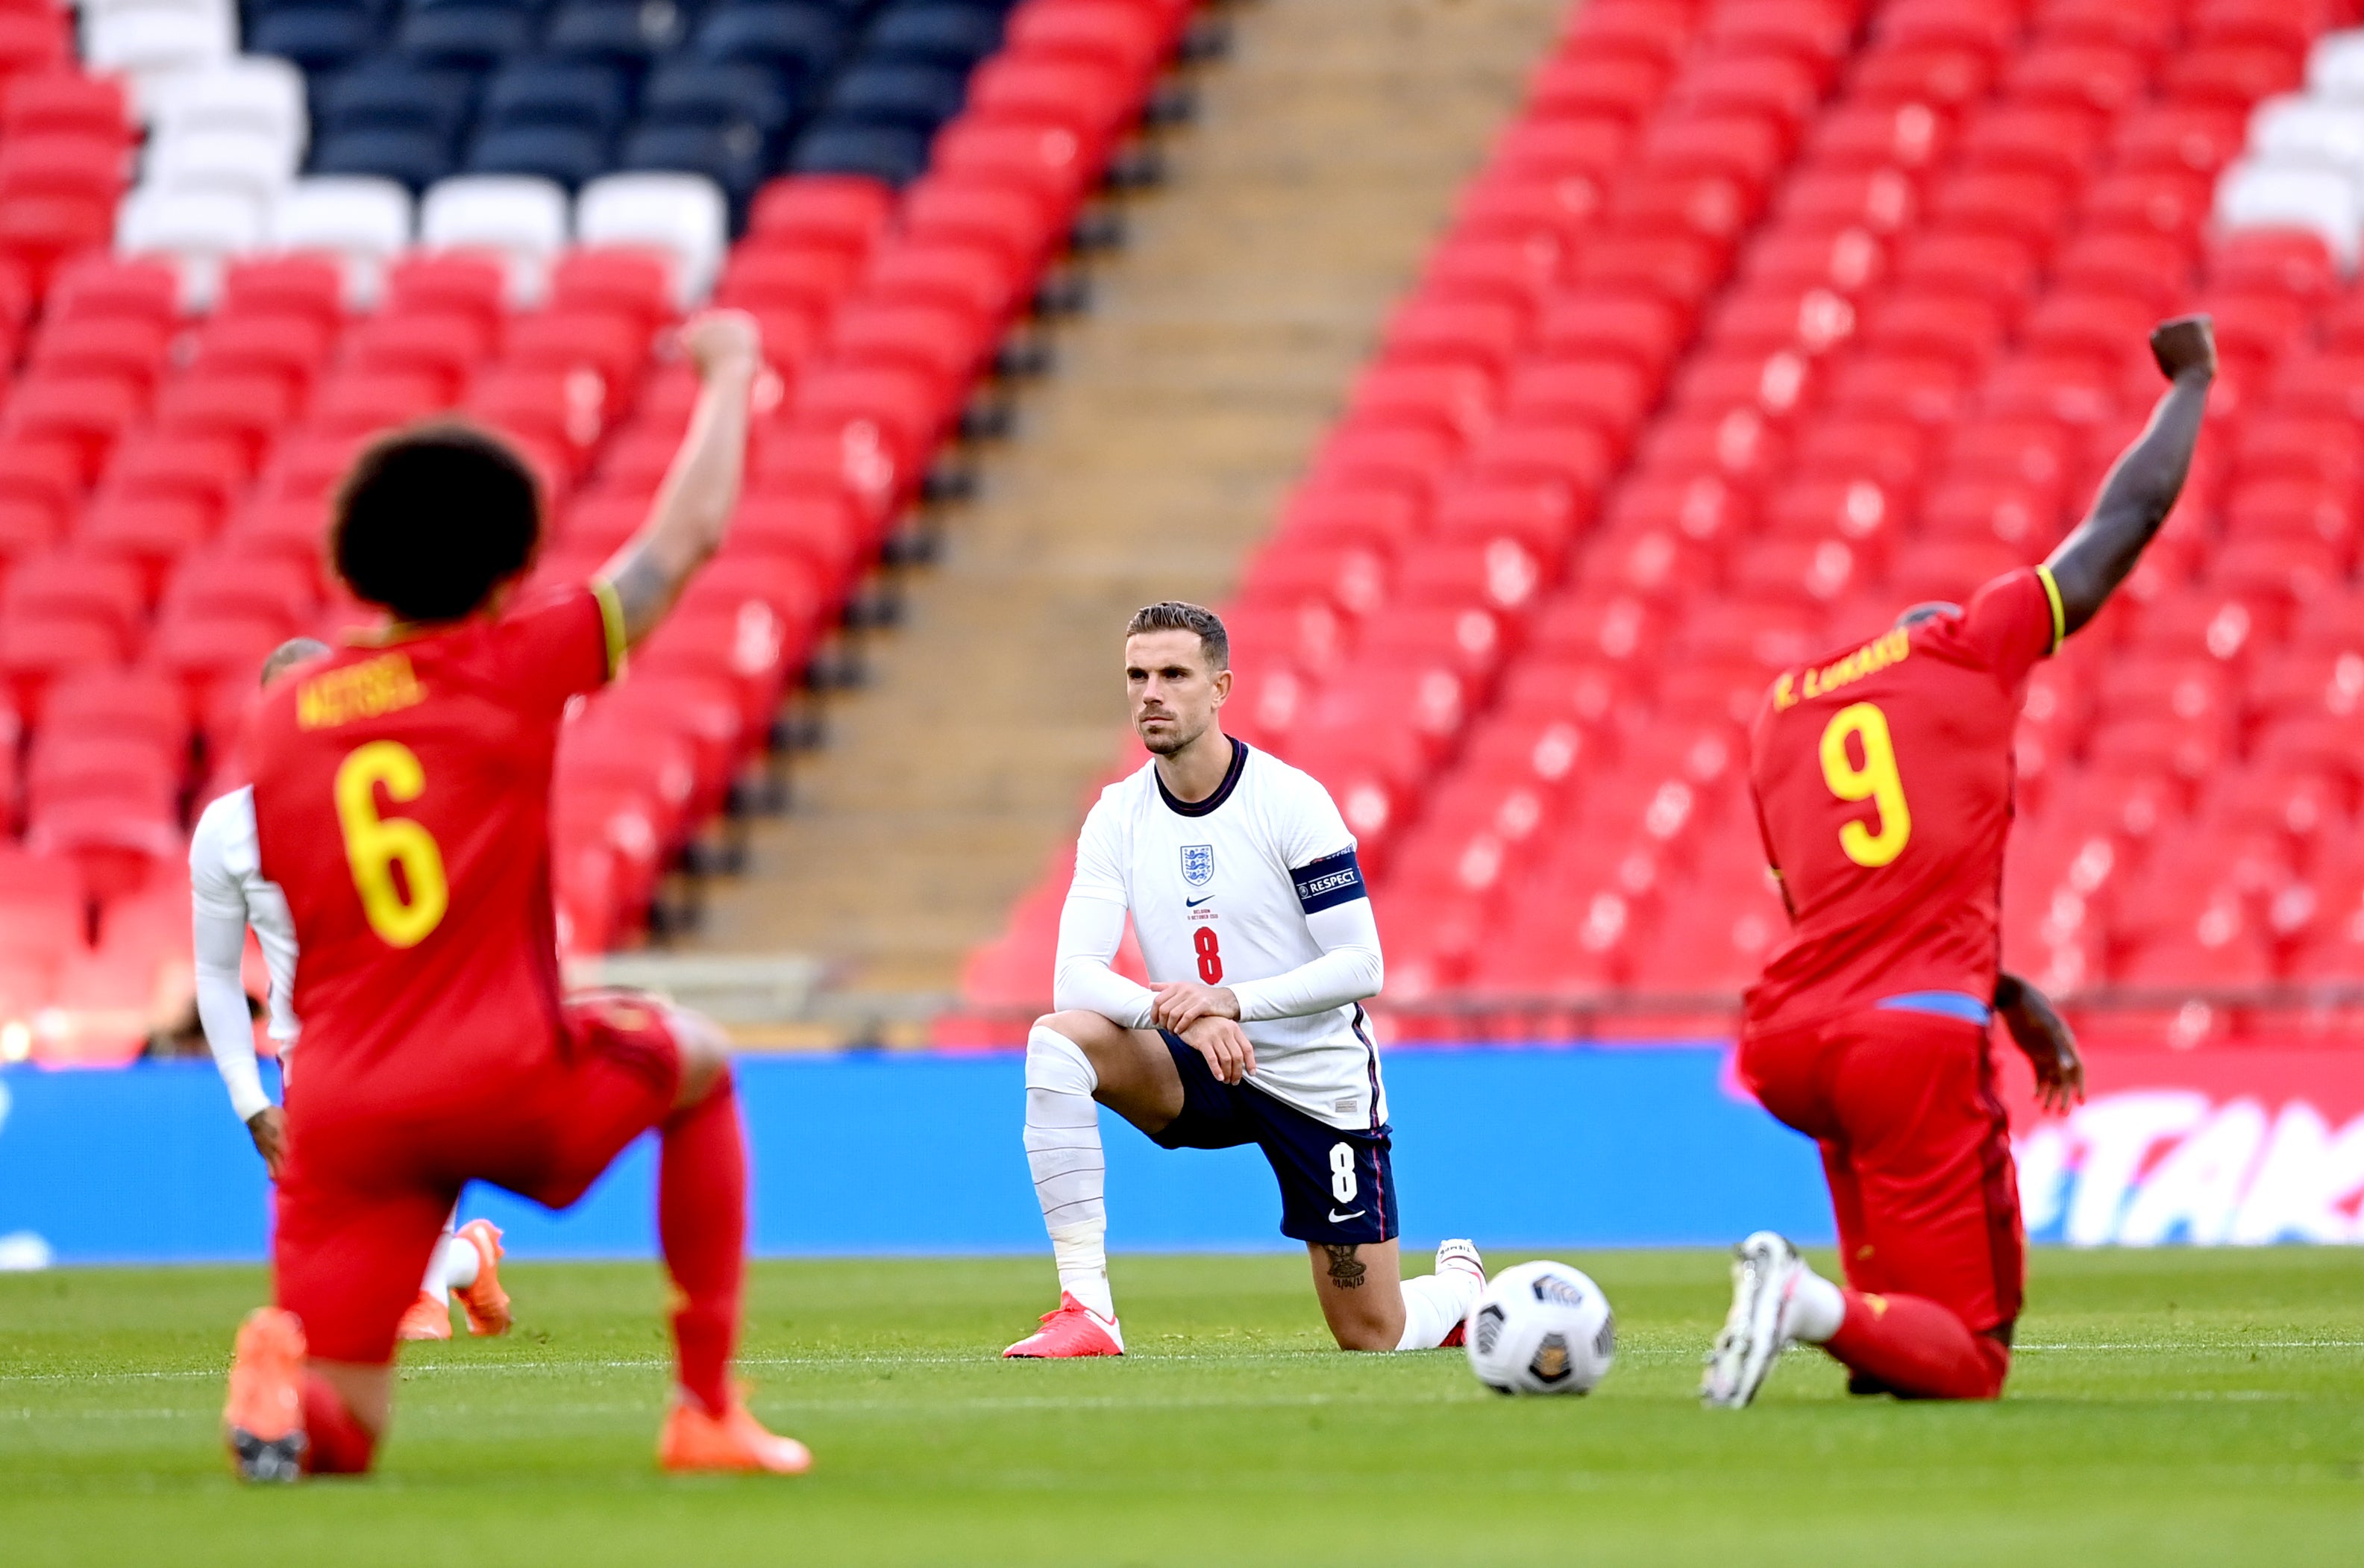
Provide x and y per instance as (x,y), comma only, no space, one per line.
(1346,1271)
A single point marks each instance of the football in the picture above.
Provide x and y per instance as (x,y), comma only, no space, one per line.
(1542,1328)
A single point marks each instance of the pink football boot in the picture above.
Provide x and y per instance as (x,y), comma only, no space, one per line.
(1073,1330)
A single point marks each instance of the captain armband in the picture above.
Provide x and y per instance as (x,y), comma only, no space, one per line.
(1329,882)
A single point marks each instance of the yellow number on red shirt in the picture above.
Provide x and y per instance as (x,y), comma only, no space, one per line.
(1876,781)
(374,845)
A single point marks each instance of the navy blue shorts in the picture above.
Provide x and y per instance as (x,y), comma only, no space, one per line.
(1335,1187)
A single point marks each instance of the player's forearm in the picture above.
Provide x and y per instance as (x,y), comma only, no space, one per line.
(1341,975)
(1090,930)
(2133,502)
(1349,969)
(229,1035)
(1090,985)
(693,508)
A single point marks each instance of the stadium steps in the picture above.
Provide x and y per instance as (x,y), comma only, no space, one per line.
(1218,349)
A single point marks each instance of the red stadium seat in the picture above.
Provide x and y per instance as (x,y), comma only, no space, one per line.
(311,287)
(2060,143)
(1580,456)
(1046,162)
(293,348)
(127,348)
(1849,261)
(844,212)
(1501,575)
(1456,399)
(2093,77)
(2235,75)
(1517,272)
(1485,335)
(1616,86)
(446,344)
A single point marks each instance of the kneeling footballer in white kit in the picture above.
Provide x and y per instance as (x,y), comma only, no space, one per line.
(1243,886)
(228,893)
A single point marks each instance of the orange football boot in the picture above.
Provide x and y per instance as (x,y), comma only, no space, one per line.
(263,1423)
(428,1317)
(488,1302)
(693,1441)
(1074,1329)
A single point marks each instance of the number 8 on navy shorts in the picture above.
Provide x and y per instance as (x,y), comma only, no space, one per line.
(1336,1187)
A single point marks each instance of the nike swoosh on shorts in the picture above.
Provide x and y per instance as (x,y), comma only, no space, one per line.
(1338,1218)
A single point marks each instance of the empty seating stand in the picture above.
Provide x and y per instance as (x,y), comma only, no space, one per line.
(383,213)
(1767,318)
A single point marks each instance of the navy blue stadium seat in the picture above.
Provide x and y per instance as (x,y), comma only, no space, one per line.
(586,93)
(920,97)
(691,91)
(893,153)
(617,29)
(795,36)
(416,158)
(397,94)
(479,31)
(319,37)
(734,157)
(931,32)
(568,154)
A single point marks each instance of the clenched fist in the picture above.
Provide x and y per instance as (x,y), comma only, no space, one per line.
(2185,346)
(721,342)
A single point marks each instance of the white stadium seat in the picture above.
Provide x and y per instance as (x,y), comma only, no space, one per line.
(2334,67)
(2255,193)
(153,42)
(2294,131)
(259,166)
(683,214)
(200,229)
(365,221)
(521,216)
(254,93)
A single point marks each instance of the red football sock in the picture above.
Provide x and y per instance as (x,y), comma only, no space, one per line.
(702,1225)
(1918,1349)
(338,1444)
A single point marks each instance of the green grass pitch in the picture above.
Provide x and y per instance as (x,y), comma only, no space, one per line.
(2169,1406)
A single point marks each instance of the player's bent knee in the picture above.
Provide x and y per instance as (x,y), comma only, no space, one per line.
(1367,1336)
(705,1053)
(1088,1032)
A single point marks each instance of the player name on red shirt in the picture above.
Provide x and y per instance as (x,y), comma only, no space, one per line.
(1883,781)
(402,801)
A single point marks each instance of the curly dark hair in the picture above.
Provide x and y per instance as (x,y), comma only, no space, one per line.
(434,516)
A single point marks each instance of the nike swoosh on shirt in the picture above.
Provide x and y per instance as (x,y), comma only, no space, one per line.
(1338,1218)
(1194,903)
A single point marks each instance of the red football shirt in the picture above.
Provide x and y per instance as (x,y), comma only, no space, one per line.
(402,801)
(1883,782)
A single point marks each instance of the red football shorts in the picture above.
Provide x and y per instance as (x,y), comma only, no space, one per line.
(362,1198)
(1917,1151)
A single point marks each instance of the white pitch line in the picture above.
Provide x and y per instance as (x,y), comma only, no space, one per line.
(1145,1357)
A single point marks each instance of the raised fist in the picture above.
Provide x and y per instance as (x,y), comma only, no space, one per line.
(2184,346)
(720,340)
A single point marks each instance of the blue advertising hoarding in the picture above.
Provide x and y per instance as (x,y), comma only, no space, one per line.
(916,1153)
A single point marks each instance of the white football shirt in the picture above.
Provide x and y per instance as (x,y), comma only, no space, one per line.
(1222,891)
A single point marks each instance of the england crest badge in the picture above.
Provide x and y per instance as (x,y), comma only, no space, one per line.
(1198,864)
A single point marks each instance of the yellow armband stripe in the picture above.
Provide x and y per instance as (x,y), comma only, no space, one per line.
(612,621)
(2059,615)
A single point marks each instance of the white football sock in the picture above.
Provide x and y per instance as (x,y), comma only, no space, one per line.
(1434,1304)
(1063,1148)
(460,1261)
(1815,1310)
